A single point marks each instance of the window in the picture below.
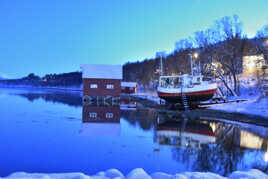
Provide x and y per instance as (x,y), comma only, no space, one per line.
(123,87)
(131,88)
(93,86)
(110,86)
(92,115)
(109,115)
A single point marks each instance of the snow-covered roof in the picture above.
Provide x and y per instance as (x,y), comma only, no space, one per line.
(100,129)
(101,71)
(128,84)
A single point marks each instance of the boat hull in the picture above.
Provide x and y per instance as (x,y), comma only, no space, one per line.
(192,97)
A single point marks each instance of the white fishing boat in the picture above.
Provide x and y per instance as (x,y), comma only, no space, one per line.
(192,87)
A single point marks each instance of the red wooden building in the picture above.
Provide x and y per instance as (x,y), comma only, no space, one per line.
(101,80)
(129,87)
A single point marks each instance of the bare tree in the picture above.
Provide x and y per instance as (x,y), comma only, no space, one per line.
(184,44)
(224,43)
(263,32)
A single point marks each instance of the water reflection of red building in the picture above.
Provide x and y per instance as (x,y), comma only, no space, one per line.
(100,121)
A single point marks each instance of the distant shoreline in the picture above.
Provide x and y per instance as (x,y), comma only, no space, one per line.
(43,87)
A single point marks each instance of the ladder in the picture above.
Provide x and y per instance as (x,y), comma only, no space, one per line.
(184,101)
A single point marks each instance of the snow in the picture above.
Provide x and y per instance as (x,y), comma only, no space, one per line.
(258,106)
(251,174)
(148,95)
(128,84)
(256,103)
(200,175)
(160,175)
(139,173)
(113,173)
(23,175)
(101,71)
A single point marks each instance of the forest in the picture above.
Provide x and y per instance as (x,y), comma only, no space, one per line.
(220,49)
(50,80)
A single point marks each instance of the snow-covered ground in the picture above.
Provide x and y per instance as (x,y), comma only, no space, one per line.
(139,173)
(256,103)
(256,106)
(148,95)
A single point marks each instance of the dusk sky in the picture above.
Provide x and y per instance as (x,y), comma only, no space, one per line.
(56,36)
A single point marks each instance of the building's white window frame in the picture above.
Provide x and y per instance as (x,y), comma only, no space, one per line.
(110,86)
(93,85)
(92,115)
(109,115)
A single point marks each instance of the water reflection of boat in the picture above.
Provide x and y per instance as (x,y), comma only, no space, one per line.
(100,121)
(190,134)
(252,137)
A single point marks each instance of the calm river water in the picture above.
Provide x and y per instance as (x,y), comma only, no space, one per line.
(50,131)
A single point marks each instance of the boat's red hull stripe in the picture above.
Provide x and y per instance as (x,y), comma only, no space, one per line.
(208,92)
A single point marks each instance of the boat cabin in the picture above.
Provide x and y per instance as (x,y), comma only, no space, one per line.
(180,81)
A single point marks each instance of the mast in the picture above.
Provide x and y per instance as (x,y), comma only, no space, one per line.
(161,65)
(191,62)
(161,55)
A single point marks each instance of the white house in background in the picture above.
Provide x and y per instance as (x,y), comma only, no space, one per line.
(253,63)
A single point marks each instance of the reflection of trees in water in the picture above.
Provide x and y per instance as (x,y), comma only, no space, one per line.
(210,158)
(71,99)
(216,158)
(143,117)
(235,149)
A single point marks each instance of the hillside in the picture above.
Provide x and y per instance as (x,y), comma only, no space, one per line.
(178,62)
(50,80)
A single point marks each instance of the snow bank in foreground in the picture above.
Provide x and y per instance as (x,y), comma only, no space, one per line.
(139,173)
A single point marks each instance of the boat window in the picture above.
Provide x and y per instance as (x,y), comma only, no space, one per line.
(171,82)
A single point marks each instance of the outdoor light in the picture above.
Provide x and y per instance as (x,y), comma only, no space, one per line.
(195,55)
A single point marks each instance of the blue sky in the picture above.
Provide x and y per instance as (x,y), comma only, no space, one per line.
(57,36)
